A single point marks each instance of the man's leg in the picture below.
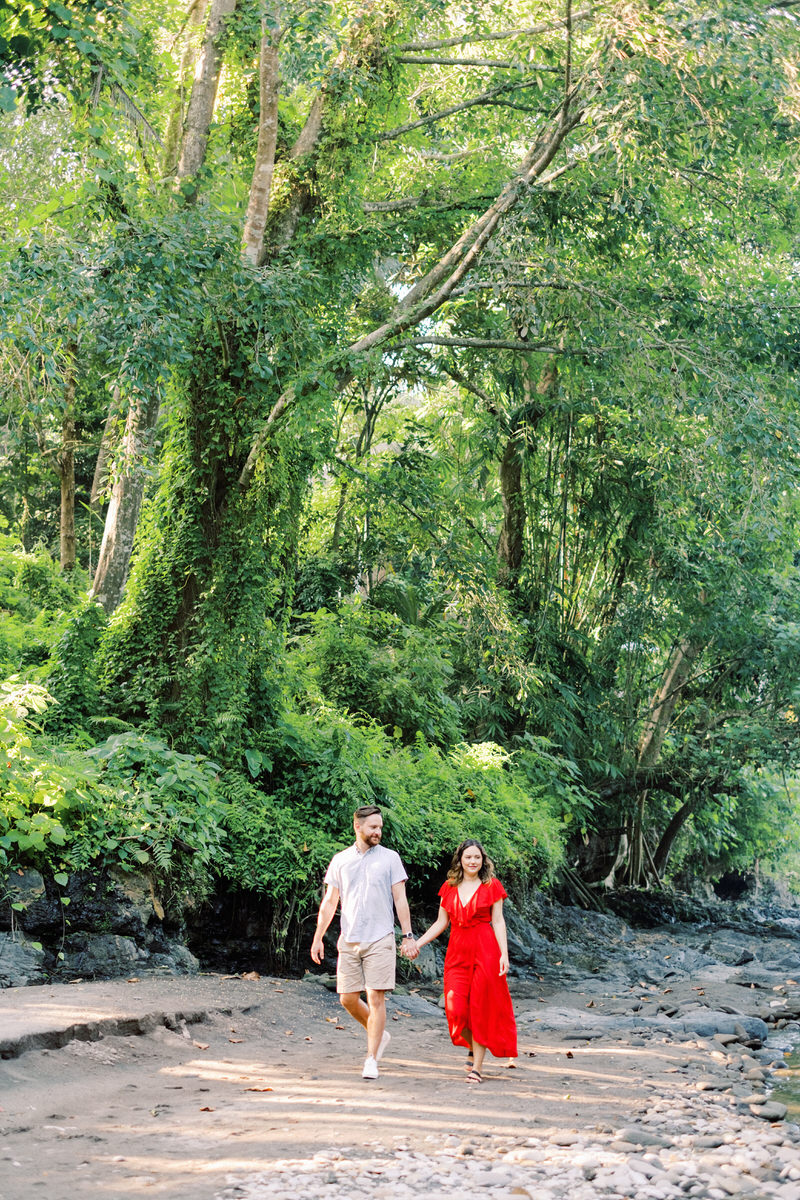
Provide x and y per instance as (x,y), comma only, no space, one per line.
(352,1003)
(376,1020)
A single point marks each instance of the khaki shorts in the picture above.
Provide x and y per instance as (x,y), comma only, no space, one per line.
(366,965)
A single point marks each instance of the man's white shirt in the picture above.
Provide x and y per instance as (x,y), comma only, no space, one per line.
(365,884)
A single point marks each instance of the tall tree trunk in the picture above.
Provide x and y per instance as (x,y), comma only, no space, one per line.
(66,469)
(204,91)
(511,543)
(126,501)
(512,534)
(194,19)
(261,186)
(641,865)
(104,451)
(662,706)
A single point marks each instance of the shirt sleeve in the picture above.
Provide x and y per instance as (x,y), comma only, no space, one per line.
(446,896)
(398,871)
(332,874)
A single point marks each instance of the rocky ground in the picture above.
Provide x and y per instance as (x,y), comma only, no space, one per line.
(652,1064)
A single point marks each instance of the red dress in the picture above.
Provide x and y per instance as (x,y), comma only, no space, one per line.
(476,995)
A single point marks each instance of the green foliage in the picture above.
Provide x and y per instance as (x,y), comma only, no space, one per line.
(35,602)
(324,765)
(71,678)
(131,802)
(162,810)
(40,791)
(370,662)
(615,376)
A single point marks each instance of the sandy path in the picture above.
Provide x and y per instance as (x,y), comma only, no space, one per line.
(176,1116)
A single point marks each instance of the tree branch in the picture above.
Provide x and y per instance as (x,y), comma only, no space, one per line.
(417,60)
(469,343)
(468,39)
(430,292)
(484,98)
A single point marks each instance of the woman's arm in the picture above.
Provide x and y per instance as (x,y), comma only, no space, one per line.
(499,927)
(438,926)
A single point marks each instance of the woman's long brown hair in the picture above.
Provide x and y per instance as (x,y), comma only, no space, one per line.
(456,873)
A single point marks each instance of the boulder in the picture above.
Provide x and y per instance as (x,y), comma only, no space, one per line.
(21,962)
(526,946)
(101,955)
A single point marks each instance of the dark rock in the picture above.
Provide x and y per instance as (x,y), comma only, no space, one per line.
(101,955)
(525,944)
(21,963)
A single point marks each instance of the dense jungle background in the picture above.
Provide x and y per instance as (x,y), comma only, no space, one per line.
(399,405)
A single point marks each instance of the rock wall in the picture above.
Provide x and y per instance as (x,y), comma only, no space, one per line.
(99,926)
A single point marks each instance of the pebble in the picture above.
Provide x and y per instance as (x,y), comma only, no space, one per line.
(707,1149)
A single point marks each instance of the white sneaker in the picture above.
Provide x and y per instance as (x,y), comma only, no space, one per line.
(384,1046)
(370,1069)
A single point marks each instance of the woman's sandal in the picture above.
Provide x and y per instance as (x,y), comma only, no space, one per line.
(470,1063)
(474,1076)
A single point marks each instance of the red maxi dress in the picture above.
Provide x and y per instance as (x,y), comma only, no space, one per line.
(476,995)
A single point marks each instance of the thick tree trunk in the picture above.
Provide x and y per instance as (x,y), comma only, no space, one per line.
(126,498)
(670,834)
(126,501)
(194,19)
(204,90)
(261,186)
(66,472)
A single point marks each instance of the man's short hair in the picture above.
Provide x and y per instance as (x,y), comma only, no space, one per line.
(367,810)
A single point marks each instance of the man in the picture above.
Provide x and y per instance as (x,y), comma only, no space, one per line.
(368,879)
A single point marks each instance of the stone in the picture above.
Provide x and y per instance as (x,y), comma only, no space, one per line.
(21,963)
(772,1110)
(101,955)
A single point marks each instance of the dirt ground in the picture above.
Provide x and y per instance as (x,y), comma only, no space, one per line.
(173,1113)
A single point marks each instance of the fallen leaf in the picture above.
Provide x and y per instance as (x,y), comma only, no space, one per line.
(331,1020)
(569,1054)
(235,1041)
(667,991)
(793,982)
(201,1045)
(308,1039)
(590,1004)
(257,1089)
(559,964)
(289,1032)
(251,975)
(207,1108)
(531,1053)
(338,1026)
(133,979)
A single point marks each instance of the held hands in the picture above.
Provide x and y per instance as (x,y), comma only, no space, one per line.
(409,948)
(503,964)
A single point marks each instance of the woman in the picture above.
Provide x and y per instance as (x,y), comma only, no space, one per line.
(476,996)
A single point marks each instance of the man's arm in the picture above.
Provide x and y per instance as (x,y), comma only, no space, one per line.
(327,911)
(408,945)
